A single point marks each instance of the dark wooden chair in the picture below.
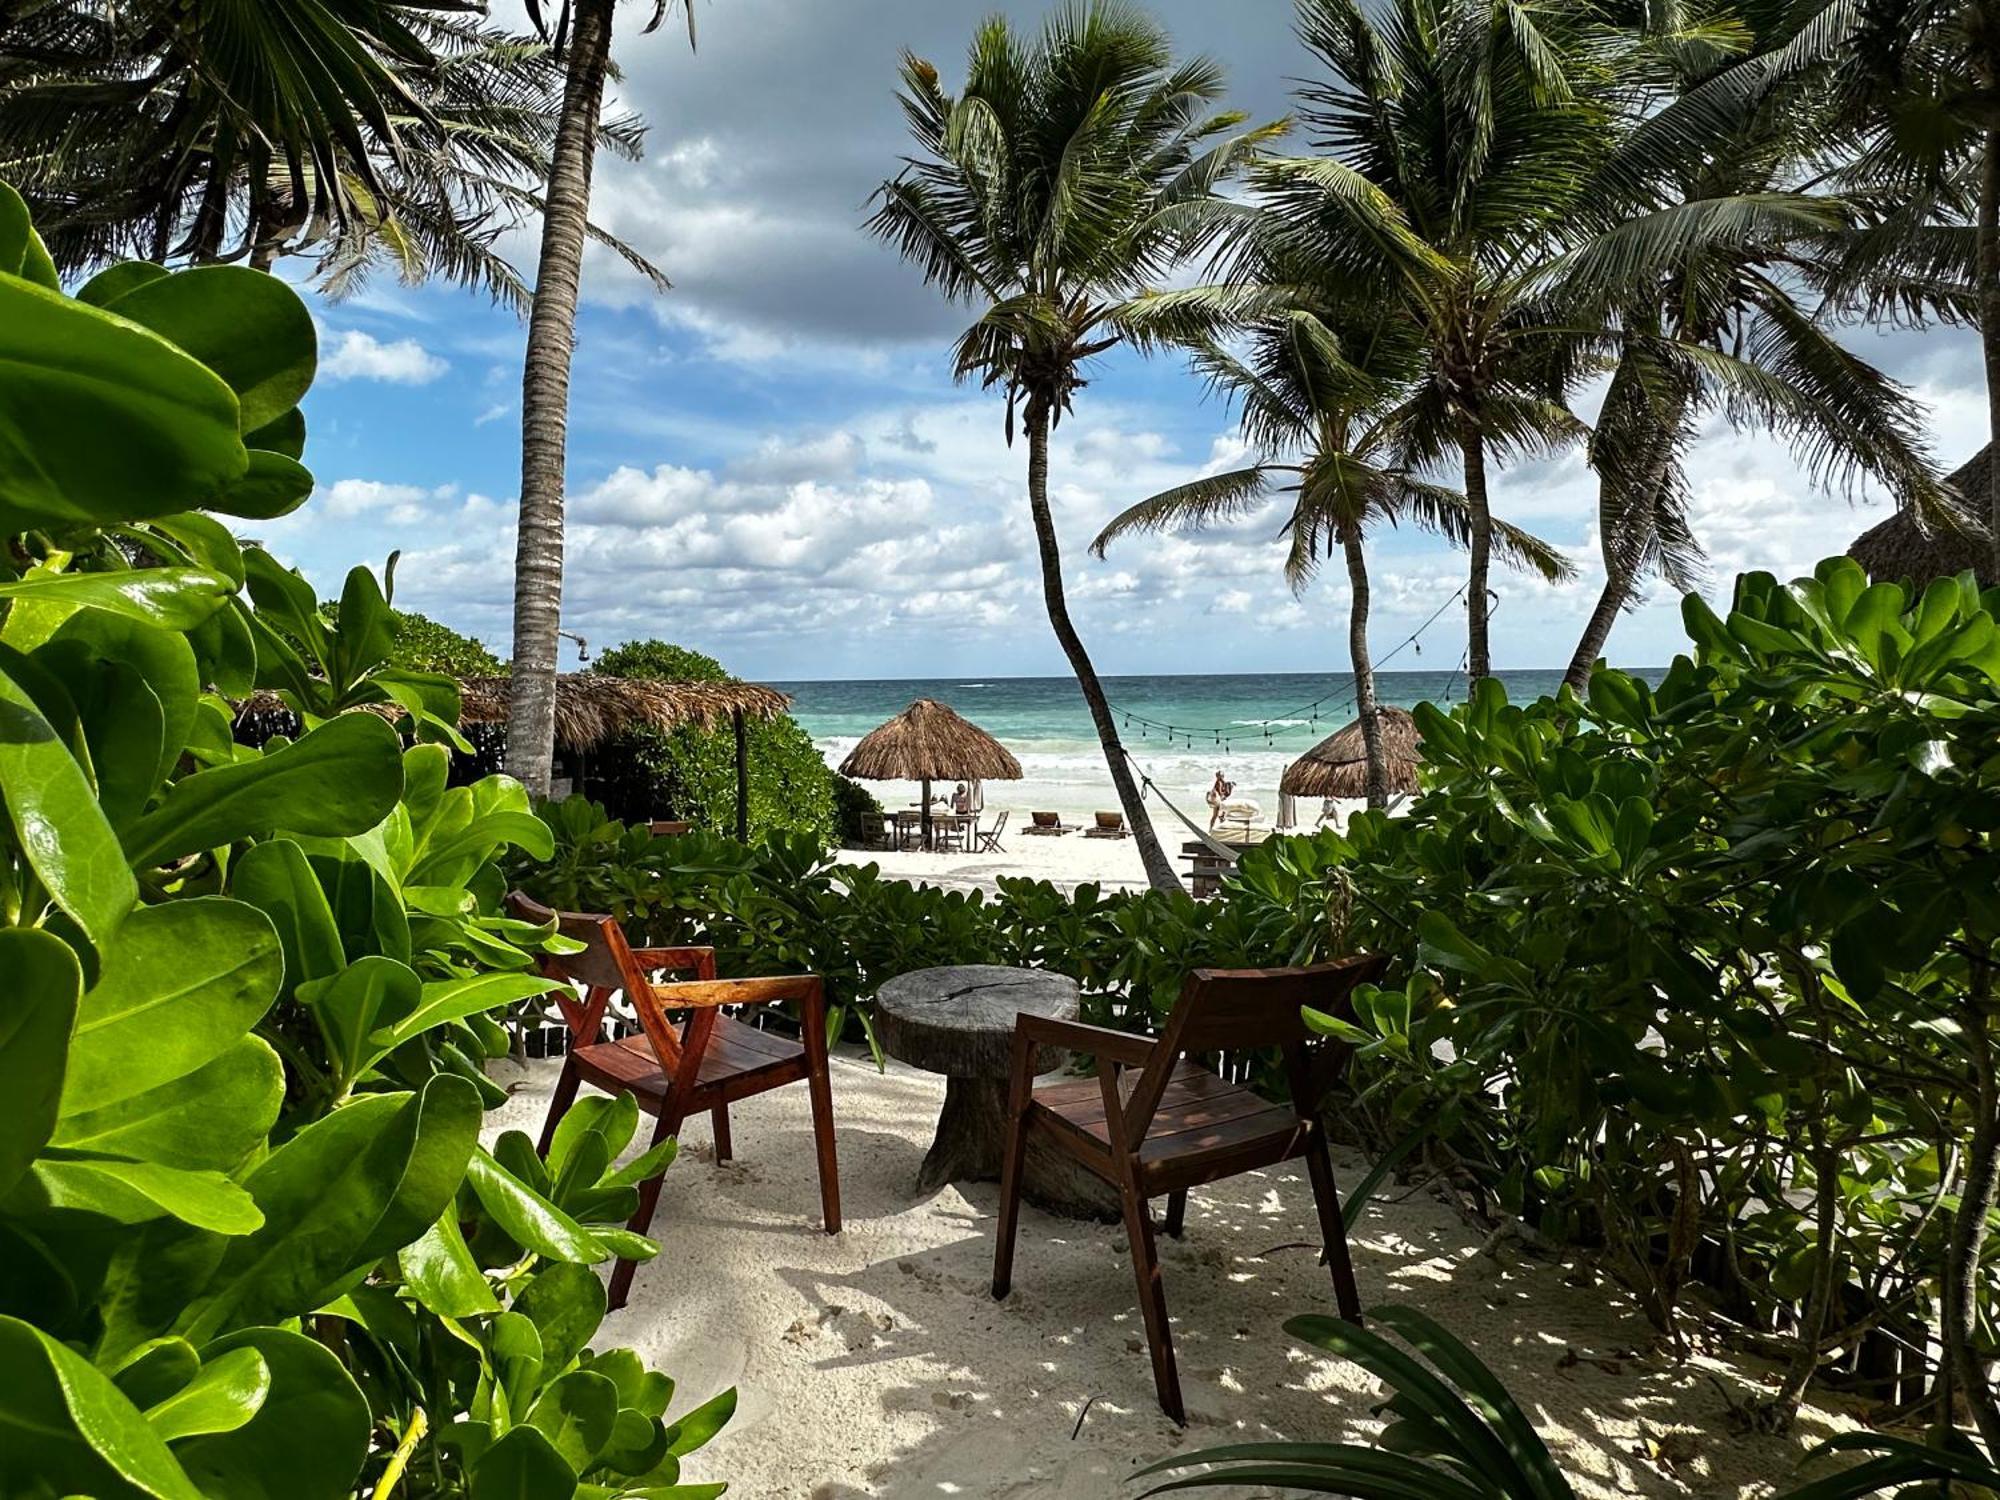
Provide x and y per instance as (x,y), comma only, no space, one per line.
(1151,1123)
(705,1064)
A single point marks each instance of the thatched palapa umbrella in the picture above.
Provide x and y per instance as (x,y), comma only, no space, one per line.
(1898,549)
(1338,765)
(928,742)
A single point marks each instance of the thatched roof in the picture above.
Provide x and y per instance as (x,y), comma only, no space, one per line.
(591,708)
(927,741)
(1897,549)
(1338,765)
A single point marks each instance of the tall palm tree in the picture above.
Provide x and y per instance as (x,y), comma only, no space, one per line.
(142,130)
(1047,193)
(582,32)
(1719,325)
(1455,140)
(1318,386)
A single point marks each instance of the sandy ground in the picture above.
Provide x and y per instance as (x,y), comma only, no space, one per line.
(875,1363)
(1067,860)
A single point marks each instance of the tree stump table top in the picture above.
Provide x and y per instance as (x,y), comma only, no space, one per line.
(959,1020)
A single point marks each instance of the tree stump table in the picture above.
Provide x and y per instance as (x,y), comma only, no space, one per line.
(959,1021)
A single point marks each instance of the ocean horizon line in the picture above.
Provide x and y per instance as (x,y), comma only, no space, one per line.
(969,680)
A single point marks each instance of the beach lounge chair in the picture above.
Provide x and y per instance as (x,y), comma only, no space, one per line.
(1178,1126)
(703,1065)
(1110,825)
(1046,825)
(989,839)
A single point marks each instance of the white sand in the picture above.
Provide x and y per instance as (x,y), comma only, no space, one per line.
(1067,859)
(875,1363)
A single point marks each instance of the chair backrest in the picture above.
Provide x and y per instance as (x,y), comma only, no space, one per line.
(1110,820)
(1248,1008)
(605,966)
(666,828)
(1044,819)
(999,825)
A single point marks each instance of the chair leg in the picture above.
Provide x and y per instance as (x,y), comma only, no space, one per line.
(649,1199)
(1012,1162)
(829,1163)
(559,1103)
(724,1149)
(1176,1213)
(1333,1230)
(1152,1296)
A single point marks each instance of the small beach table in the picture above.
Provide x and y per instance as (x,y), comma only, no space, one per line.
(959,1021)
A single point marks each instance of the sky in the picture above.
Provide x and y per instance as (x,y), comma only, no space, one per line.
(771,463)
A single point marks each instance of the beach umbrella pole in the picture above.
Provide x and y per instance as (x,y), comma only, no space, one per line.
(927,811)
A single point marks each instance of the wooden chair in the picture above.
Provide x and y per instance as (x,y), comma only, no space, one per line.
(706,1063)
(669,828)
(989,839)
(1152,1123)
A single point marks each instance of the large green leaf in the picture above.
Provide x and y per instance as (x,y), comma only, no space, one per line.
(54,813)
(351,1005)
(308,1439)
(22,252)
(85,652)
(131,1192)
(577,1413)
(275,877)
(223,1396)
(274,485)
(529,1219)
(251,329)
(343,1193)
(65,1429)
(211,1118)
(180,986)
(441,1273)
(342,778)
(565,1302)
(101,420)
(44,984)
(170,598)
(523,1465)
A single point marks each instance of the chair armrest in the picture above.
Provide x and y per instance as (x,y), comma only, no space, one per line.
(694,993)
(1100,1041)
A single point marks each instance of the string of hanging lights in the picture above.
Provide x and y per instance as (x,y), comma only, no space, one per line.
(1223,737)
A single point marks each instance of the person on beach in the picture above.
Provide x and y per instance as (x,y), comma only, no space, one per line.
(961,799)
(1218,797)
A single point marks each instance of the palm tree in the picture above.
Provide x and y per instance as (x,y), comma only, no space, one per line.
(583,32)
(1318,385)
(124,126)
(1047,193)
(1456,138)
(1718,326)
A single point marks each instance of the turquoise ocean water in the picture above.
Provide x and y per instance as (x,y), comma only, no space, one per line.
(1182,729)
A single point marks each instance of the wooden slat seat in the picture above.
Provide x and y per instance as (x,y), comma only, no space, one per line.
(702,1063)
(1152,1123)
(732,1067)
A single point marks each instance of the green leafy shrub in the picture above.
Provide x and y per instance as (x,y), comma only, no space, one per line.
(1457,1433)
(249,991)
(690,774)
(857,815)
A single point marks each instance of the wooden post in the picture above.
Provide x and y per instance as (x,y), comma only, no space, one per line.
(742,777)
(927,811)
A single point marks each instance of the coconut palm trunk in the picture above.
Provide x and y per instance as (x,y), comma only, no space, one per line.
(1159,870)
(1364,667)
(1479,547)
(1989,317)
(538,548)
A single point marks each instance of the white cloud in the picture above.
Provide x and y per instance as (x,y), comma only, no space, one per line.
(361,356)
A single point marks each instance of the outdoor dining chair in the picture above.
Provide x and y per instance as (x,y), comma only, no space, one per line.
(1151,1123)
(706,1063)
(989,838)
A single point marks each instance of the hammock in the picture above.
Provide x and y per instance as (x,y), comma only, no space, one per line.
(1216,846)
